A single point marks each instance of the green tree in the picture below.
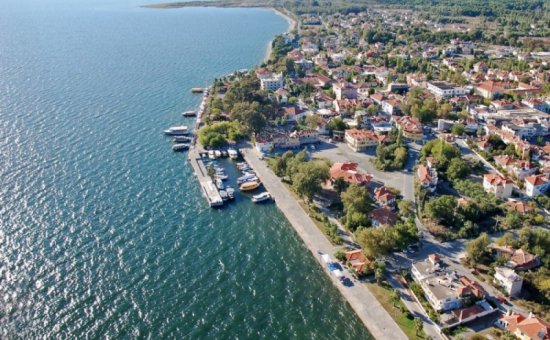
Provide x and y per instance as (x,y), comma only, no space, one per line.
(309,178)
(340,185)
(406,207)
(458,169)
(249,115)
(395,297)
(441,209)
(476,250)
(313,121)
(458,129)
(336,124)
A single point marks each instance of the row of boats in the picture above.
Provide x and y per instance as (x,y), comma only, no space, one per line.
(249,181)
(180,137)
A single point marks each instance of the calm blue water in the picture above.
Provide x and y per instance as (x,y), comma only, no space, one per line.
(103,231)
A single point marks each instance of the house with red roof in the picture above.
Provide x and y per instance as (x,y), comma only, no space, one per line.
(348,172)
(536,185)
(359,140)
(358,261)
(427,177)
(384,196)
(525,328)
(497,184)
(383,217)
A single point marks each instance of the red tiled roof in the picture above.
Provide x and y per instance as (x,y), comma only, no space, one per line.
(384,216)
(348,171)
(496,179)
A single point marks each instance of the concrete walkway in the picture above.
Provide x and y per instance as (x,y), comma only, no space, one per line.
(374,316)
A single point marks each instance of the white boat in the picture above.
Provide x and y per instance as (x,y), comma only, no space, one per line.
(230,192)
(181,139)
(246,178)
(224,195)
(233,154)
(177,130)
(224,153)
(264,196)
(223,177)
(219,184)
(211,154)
(217,153)
(180,147)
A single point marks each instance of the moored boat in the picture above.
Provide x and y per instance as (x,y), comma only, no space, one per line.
(180,147)
(217,153)
(224,195)
(246,178)
(219,184)
(189,113)
(264,196)
(247,186)
(177,130)
(181,139)
(197,90)
(233,154)
(230,192)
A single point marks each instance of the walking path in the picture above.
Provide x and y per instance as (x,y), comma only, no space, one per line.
(374,316)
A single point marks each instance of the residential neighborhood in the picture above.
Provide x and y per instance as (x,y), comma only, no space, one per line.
(411,147)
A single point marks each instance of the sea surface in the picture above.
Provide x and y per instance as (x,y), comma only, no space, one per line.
(103,230)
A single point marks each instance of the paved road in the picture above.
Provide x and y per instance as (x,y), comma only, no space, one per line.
(401,180)
(369,310)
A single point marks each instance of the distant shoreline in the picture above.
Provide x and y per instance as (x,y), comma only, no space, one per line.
(292,23)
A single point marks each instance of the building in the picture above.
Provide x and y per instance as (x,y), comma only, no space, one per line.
(359,140)
(443,89)
(348,171)
(271,82)
(443,288)
(490,89)
(410,127)
(518,259)
(427,177)
(344,90)
(536,185)
(358,261)
(508,280)
(525,328)
(499,185)
(384,196)
(383,217)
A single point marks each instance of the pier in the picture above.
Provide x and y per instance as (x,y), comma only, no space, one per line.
(208,187)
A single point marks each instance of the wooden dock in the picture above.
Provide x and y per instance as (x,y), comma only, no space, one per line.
(208,187)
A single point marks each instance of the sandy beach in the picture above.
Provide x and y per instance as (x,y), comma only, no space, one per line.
(292,24)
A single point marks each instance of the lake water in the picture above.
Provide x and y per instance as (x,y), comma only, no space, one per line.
(103,230)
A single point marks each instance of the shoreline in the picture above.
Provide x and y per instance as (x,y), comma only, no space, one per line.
(367,308)
(292,24)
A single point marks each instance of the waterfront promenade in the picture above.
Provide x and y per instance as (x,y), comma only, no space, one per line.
(372,314)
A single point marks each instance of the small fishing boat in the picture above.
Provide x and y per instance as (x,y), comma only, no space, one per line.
(224,153)
(181,139)
(224,195)
(248,186)
(246,178)
(217,153)
(177,130)
(230,192)
(223,177)
(233,154)
(219,184)
(189,113)
(264,196)
(197,90)
(211,154)
(180,147)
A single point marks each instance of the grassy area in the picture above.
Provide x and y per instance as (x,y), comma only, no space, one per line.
(404,319)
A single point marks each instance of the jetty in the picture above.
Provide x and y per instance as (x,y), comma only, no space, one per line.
(368,309)
(208,187)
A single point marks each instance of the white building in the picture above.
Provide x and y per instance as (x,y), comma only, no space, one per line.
(498,185)
(272,83)
(509,280)
(536,185)
(443,89)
